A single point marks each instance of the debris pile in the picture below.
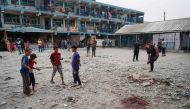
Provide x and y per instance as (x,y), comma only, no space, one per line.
(144,80)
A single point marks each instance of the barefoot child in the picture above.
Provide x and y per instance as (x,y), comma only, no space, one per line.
(56,62)
(25,69)
(75,65)
(31,65)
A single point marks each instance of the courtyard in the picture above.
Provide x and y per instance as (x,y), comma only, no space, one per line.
(105,78)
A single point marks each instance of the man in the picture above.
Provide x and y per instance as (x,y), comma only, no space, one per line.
(163,47)
(18,43)
(94,43)
(153,55)
(136,51)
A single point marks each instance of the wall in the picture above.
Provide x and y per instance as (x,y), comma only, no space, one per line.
(172,40)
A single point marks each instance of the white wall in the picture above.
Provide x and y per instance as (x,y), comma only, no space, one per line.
(172,39)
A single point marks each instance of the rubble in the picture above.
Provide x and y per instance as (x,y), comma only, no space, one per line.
(143,80)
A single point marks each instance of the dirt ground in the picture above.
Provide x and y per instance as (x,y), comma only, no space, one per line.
(105,80)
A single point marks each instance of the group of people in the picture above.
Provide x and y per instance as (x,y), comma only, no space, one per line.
(27,68)
(152,52)
(107,43)
(91,43)
(42,45)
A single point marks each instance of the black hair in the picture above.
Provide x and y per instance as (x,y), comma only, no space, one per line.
(75,47)
(55,47)
(33,56)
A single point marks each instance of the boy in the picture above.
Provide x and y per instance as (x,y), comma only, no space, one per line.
(31,65)
(56,62)
(75,65)
(25,69)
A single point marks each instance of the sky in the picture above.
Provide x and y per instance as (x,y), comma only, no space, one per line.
(154,9)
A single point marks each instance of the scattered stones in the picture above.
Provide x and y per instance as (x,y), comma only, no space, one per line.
(65,105)
(29,107)
(54,105)
(3,105)
(70,99)
(184,94)
(8,78)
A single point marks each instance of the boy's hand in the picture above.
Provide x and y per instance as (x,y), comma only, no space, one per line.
(30,70)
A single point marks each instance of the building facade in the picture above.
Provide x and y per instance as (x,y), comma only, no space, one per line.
(64,18)
(175,32)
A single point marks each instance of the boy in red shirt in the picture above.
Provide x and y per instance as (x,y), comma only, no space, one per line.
(31,74)
(56,62)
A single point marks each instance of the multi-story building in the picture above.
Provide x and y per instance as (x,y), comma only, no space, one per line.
(63,18)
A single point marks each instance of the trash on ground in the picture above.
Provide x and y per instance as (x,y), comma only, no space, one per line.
(144,80)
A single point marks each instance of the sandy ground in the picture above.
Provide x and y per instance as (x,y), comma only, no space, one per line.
(105,78)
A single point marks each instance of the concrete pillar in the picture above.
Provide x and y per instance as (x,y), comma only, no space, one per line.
(2,18)
(51,22)
(120,41)
(52,40)
(19,2)
(21,16)
(63,23)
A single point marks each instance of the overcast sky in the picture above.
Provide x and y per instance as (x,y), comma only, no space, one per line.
(154,9)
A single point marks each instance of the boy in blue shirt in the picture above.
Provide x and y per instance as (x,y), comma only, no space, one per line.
(75,65)
(25,69)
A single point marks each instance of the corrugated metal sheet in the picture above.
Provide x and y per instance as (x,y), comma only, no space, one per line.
(177,25)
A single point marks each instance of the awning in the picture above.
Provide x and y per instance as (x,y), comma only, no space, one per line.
(29,30)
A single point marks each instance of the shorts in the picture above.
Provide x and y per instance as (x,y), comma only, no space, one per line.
(59,69)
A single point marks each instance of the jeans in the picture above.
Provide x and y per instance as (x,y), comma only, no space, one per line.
(93,51)
(40,48)
(76,76)
(136,55)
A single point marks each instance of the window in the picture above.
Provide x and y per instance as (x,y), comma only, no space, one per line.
(57,22)
(28,2)
(11,19)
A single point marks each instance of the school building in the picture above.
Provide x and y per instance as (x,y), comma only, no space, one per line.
(60,19)
(175,32)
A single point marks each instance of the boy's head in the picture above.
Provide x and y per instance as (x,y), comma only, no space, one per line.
(28,52)
(33,56)
(55,48)
(74,48)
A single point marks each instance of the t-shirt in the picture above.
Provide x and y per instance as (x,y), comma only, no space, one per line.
(164,44)
(75,60)
(23,69)
(39,42)
(136,47)
(94,43)
(31,63)
(55,58)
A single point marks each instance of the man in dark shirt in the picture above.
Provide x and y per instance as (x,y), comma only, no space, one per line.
(153,56)
(56,62)
(136,51)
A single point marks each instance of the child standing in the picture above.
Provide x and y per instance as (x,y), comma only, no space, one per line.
(75,65)
(31,65)
(56,62)
(25,69)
